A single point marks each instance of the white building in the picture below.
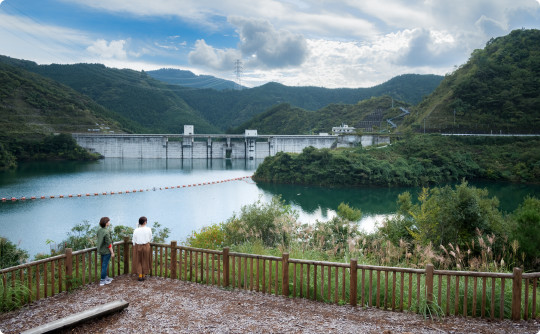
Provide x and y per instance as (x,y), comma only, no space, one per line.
(188,130)
(344,128)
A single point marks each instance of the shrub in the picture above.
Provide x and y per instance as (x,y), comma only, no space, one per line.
(13,297)
(269,222)
(527,230)
(10,254)
(208,237)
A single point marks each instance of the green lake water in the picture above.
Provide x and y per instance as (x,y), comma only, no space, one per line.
(32,223)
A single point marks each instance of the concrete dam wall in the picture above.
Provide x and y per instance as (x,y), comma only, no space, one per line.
(213,146)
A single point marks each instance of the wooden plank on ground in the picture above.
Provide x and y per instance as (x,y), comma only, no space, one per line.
(78,318)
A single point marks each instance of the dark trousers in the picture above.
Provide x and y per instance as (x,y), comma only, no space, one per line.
(104,264)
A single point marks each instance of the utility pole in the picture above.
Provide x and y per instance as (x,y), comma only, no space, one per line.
(238,69)
(454,120)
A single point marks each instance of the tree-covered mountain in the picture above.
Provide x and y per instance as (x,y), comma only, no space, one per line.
(496,91)
(366,115)
(190,79)
(165,108)
(228,109)
(154,105)
(33,108)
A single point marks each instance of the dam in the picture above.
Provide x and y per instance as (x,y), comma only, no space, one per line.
(249,145)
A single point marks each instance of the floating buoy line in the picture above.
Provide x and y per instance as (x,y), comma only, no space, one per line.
(105,193)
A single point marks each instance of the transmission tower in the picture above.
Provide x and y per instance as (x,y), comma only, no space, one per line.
(238,69)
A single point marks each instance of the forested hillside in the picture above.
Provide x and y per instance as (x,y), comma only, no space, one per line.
(134,95)
(496,91)
(33,108)
(419,160)
(165,108)
(191,80)
(229,109)
(285,119)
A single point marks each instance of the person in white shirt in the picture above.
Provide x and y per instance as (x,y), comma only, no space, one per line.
(142,252)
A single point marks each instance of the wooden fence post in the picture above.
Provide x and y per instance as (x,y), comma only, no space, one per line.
(226,266)
(173,259)
(516,294)
(126,255)
(429,283)
(69,268)
(285,274)
(353,296)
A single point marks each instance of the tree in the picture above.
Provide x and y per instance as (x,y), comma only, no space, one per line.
(10,254)
(527,231)
(453,215)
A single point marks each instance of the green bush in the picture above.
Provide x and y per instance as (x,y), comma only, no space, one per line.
(268,222)
(83,236)
(10,254)
(13,297)
(527,231)
(453,215)
(208,237)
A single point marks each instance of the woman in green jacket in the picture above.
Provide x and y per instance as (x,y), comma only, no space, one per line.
(105,248)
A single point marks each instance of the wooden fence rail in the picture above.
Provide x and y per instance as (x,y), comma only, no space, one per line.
(459,293)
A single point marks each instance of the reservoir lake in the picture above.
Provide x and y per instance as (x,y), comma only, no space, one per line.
(32,224)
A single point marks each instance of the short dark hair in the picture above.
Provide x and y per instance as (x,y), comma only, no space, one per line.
(142,220)
(103,221)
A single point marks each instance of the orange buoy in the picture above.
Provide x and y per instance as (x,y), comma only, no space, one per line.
(33,197)
(42,197)
(61,196)
(112,192)
(70,195)
(96,194)
(78,195)
(13,199)
(23,198)
(3,199)
(104,194)
(87,194)
(52,196)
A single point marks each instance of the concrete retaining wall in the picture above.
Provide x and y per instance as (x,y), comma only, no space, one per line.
(213,146)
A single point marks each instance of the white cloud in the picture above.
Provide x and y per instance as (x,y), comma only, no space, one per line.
(216,59)
(21,37)
(267,46)
(342,43)
(111,50)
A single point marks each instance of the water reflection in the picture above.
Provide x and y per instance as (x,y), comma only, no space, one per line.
(182,210)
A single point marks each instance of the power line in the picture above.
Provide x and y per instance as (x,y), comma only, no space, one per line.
(238,69)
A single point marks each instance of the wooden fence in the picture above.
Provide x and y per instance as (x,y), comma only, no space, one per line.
(460,293)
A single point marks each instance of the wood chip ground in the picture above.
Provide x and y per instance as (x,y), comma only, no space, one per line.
(160,305)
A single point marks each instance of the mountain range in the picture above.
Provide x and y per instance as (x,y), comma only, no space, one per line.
(496,91)
(159,107)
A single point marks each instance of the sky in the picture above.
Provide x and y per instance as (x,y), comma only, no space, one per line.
(332,43)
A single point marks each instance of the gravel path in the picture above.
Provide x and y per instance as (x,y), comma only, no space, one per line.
(160,305)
